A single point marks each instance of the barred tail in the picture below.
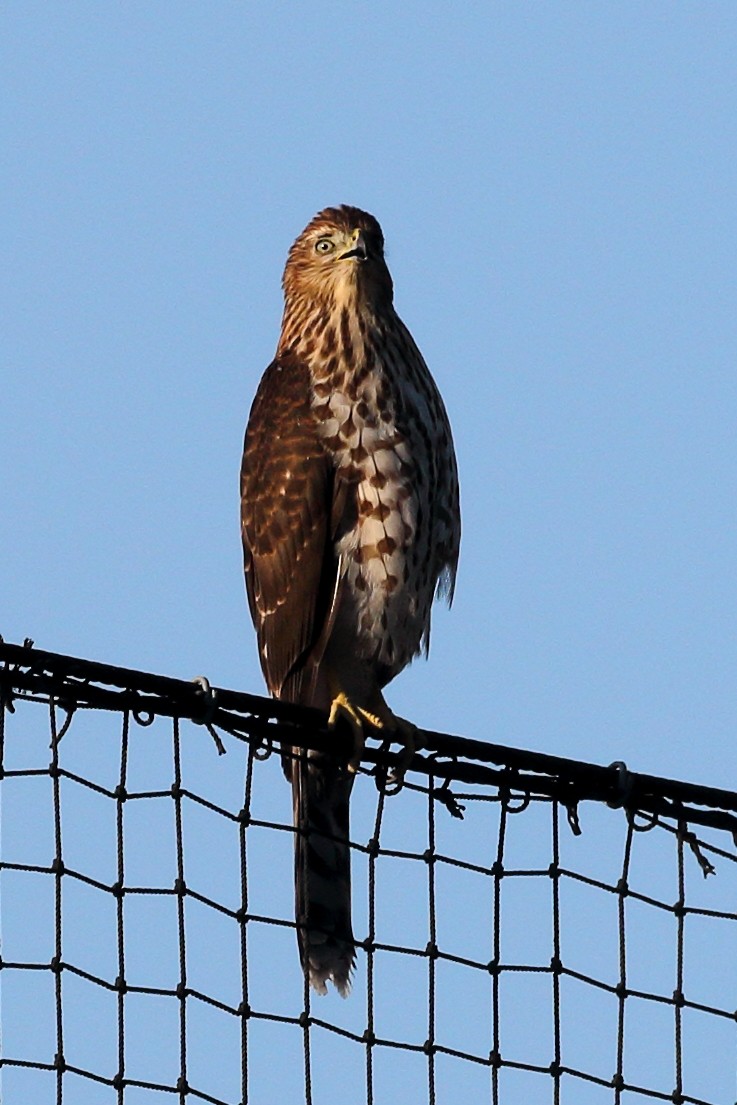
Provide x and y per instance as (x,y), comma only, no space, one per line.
(321,790)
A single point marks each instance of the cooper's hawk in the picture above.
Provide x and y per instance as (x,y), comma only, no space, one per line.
(351,525)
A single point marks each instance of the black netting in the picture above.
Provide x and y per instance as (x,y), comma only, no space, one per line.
(557,942)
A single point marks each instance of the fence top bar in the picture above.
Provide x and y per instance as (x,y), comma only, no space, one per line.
(72,682)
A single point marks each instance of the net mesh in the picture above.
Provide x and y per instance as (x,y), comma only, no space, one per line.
(530,928)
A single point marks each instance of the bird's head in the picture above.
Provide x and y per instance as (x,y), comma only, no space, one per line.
(339,257)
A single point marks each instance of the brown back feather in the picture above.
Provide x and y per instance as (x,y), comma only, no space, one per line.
(287,492)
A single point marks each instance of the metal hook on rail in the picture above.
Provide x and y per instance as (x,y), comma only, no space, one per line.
(443,793)
(623,785)
(209,707)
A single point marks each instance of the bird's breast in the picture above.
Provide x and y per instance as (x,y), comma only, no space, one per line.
(372,431)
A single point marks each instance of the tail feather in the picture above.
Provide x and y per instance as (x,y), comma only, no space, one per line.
(321,789)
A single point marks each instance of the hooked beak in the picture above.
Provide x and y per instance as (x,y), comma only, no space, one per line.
(359,250)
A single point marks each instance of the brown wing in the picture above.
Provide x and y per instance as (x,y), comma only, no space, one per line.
(288,503)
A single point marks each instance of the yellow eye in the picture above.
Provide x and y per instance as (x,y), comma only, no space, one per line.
(324,245)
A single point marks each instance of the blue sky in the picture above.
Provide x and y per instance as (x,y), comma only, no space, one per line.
(557,186)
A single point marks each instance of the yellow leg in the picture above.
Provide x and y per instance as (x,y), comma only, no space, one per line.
(341,706)
(380,717)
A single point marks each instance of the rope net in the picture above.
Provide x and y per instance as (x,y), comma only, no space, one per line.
(530,928)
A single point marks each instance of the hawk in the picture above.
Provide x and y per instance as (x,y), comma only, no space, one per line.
(351,525)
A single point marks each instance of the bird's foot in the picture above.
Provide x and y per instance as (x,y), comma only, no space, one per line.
(342,707)
(405,733)
(379,717)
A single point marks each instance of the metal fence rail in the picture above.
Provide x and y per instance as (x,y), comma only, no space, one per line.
(532,928)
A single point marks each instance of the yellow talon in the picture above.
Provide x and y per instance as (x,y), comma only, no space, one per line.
(342,706)
(409,736)
(404,732)
(380,718)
